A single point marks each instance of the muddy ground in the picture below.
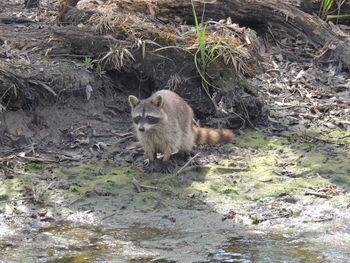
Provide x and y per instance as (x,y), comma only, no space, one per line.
(73,187)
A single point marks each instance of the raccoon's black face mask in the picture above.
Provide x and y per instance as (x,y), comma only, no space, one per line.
(145,113)
(145,122)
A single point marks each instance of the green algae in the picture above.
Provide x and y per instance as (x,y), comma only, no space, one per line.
(98,176)
(252,139)
(12,188)
(260,140)
(4,197)
(72,259)
(278,166)
(101,178)
(273,167)
(35,167)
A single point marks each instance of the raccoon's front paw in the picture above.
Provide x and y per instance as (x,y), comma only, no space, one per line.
(146,162)
(157,166)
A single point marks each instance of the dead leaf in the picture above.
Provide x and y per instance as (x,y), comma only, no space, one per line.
(42,212)
(309,116)
(191,195)
(121,134)
(132,145)
(101,145)
(83,141)
(8,209)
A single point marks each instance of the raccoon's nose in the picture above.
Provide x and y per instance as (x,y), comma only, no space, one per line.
(141,128)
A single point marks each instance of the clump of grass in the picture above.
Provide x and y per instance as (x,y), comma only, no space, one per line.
(118,57)
(201,38)
(106,23)
(326,12)
(91,64)
(100,71)
(88,62)
(208,47)
(212,46)
(174,82)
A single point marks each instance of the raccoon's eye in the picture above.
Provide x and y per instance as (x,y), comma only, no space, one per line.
(137,119)
(152,120)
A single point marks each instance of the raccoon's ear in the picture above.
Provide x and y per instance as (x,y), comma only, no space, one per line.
(157,101)
(133,101)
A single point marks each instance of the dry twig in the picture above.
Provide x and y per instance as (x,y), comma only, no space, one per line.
(17,199)
(28,158)
(316,194)
(186,164)
(139,186)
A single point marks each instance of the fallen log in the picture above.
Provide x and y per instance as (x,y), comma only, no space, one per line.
(273,13)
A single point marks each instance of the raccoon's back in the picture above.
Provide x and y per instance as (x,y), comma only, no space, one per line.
(176,109)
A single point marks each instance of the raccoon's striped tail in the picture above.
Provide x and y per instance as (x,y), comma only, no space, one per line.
(212,136)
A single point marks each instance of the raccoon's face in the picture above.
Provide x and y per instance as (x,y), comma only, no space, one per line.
(146,114)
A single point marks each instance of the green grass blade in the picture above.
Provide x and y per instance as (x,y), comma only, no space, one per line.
(329,17)
(167,47)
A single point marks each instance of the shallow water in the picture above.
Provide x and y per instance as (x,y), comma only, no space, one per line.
(65,242)
(270,249)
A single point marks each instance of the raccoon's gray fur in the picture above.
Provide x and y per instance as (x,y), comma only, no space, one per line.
(164,124)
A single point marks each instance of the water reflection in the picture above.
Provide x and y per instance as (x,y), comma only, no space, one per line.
(62,242)
(275,249)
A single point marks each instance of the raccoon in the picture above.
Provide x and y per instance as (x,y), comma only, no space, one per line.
(165,124)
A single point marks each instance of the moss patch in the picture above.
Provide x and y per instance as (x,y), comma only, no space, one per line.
(277,166)
(102,178)
(12,188)
(34,167)
(260,140)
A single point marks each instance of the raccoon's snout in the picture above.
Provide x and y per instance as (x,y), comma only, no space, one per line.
(141,128)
